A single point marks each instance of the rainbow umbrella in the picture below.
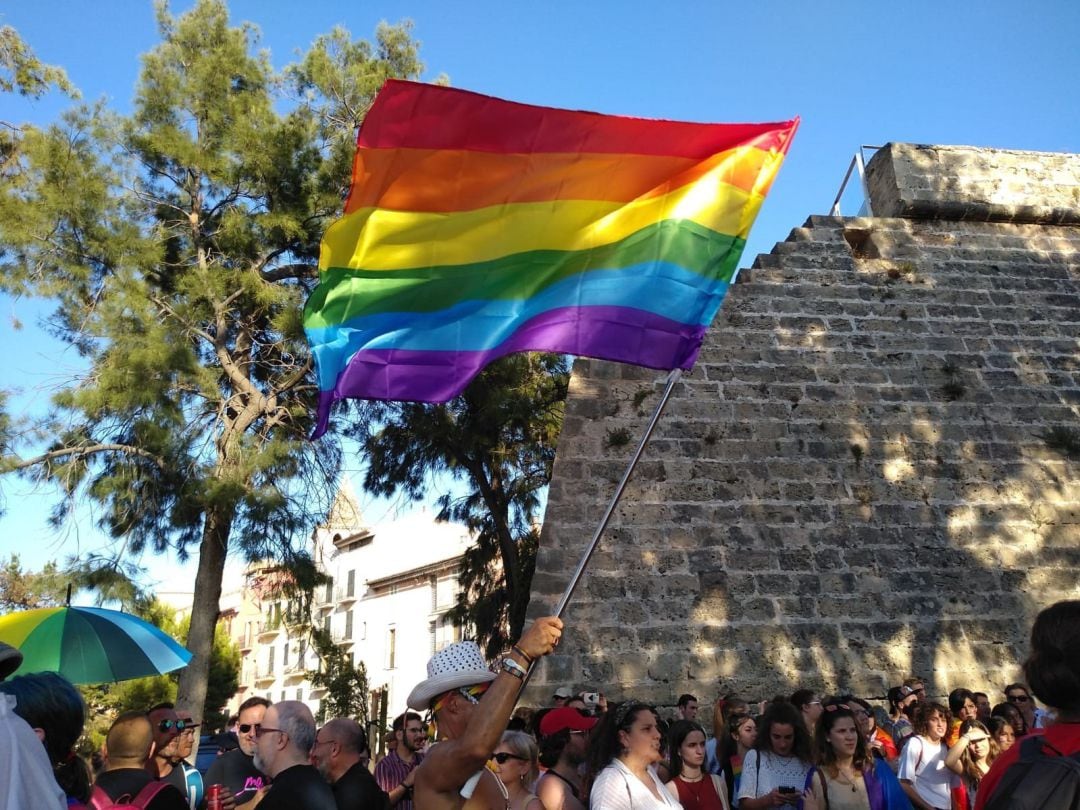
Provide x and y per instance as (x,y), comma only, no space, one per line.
(90,645)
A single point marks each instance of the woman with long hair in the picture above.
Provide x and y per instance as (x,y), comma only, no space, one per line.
(691,784)
(775,769)
(970,757)
(738,739)
(725,708)
(623,753)
(516,766)
(1002,733)
(844,777)
(1013,715)
(923,775)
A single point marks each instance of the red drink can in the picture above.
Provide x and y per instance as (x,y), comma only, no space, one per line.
(213,797)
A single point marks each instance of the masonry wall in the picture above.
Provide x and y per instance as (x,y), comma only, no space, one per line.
(868,474)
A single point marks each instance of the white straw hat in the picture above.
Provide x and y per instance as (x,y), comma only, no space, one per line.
(452,667)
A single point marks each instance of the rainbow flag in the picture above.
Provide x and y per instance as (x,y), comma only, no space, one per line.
(477,227)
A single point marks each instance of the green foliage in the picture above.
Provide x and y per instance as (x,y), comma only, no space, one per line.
(345,683)
(617,437)
(23,73)
(179,242)
(24,590)
(498,438)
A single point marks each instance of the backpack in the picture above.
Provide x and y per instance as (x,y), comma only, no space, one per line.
(99,799)
(1038,780)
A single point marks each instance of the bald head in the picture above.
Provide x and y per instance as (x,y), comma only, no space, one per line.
(347,733)
(129,740)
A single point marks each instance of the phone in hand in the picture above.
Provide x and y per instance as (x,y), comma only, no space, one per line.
(789,789)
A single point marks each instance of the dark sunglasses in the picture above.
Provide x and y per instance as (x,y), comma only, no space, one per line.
(502,756)
(179,725)
(1017,698)
(244,728)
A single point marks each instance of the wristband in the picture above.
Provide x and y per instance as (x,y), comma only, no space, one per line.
(512,667)
(528,658)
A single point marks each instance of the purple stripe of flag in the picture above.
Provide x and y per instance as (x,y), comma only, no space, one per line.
(614,333)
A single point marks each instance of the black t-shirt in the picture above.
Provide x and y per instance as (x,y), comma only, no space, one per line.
(129,781)
(236,771)
(300,786)
(358,790)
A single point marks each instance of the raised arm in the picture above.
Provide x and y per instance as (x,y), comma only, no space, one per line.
(450,763)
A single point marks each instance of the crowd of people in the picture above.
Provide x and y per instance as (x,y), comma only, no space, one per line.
(462,744)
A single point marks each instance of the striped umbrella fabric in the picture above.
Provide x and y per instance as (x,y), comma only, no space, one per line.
(90,645)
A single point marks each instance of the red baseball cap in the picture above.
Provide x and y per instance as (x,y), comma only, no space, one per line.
(565,718)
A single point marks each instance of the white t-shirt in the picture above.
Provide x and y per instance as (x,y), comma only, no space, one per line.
(775,771)
(923,764)
(616,788)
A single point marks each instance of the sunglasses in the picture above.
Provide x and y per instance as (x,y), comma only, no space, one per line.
(179,725)
(244,728)
(1017,698)
(502,756)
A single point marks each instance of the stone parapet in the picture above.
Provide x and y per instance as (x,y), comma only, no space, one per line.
(971,183)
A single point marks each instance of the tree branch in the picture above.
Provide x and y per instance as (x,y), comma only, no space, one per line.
(285,271)
(89,450)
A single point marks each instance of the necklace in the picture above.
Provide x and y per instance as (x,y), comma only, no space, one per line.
(848,779)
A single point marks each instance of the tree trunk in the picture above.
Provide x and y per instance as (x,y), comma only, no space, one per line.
(191,694)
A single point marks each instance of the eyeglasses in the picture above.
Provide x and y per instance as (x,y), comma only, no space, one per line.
(244,728)
(179,725)
(260,730)
(502,756)
(1017,698)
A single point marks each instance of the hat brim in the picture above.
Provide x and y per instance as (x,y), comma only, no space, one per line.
(421,696)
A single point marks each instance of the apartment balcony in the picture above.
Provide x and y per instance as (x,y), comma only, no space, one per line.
(295,672)
(265,676)
(269,628)
(339,636)
(343,597)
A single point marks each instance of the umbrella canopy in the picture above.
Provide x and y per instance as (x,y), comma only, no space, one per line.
(90,645)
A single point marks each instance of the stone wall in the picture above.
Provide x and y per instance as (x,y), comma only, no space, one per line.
(868,473)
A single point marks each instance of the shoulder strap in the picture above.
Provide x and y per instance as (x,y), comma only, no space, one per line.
(149,791)
(99,799)
(824,787)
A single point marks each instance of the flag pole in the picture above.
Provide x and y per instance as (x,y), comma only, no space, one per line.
(673,377)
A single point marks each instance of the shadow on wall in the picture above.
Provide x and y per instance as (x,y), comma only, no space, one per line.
(867,475)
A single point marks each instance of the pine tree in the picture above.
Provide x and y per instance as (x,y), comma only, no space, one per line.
(179,243)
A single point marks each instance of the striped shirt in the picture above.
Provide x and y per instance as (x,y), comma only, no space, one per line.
(391,772)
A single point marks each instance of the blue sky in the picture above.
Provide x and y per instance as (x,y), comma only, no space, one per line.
(989,74)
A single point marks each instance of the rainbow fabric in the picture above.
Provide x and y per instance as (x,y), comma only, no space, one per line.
(477,227)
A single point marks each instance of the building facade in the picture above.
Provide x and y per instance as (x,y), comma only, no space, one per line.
(390,588)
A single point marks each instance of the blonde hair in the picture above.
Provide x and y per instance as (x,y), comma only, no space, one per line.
(523,745)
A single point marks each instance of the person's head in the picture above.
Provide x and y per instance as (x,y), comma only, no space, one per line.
(516,759)
(782,731)
(932,721)
(629,732)
(863,713)
(742,731)
(898,697)
(560,697)
(564,734)
(1053,666)
(409,731)
(54,709)
(1012,715)
(724,708)
(982,706)
(1001,732)
(917,687)
(962,704)
(980,748)
(837,737)
(130,741)
(249,717)
(165,723)
(285,738)
(809,705)
(688,707)
(457,677)
(338,746)
(186,739)
(686,746)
